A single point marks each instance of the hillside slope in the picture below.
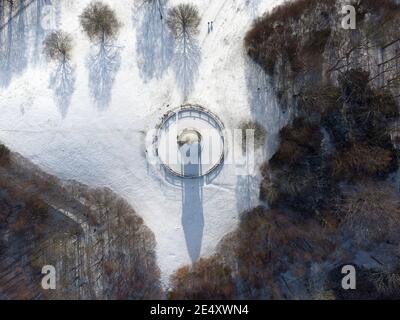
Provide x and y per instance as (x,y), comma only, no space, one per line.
(98,245)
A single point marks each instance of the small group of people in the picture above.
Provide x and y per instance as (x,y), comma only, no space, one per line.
(210,26)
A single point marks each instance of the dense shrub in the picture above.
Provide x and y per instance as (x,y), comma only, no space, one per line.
(386,9)
(296,176)
(318,102)
(250,262)
(183,21)
(343,128)
(106,233)
(275,36)
(356,90)
(370,210)
(306,190)
(362,160)
(300,142)
(352,113)
(277,241)
(206,279)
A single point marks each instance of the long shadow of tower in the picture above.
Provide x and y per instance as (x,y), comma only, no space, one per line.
(192,199)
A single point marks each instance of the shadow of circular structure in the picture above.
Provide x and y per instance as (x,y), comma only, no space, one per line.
(190,142)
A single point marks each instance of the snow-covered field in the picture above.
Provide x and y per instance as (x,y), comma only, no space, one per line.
(102,143)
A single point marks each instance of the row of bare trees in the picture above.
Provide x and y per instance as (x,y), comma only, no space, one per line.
(102,26)
(178,45)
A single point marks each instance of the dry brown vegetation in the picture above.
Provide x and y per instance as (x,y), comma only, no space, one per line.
(296,176)
(104,252)
(298,142)
(275,36)
(300,32)
(206,279)
(371,284)
(362,160)
(250,262)
(371,211)
(317,102)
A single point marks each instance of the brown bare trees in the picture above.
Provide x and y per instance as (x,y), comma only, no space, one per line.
(206,279)
(359,160)
(99,246)
(371,211)
(99,22)
(58,46)
(183,21)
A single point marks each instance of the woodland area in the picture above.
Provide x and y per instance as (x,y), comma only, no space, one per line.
(330,190)
(99,246)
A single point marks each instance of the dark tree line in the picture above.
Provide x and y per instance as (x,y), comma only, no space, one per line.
(327,192)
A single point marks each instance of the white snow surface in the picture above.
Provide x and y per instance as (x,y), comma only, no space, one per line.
(104,145)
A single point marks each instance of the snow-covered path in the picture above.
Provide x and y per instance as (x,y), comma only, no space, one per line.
(102,144)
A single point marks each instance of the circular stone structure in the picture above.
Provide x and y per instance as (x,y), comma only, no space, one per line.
(190,141)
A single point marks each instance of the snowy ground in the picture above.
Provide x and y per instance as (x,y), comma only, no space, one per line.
(101,142)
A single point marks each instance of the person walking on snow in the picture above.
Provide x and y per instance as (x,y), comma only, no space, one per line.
(208,27)
(212,27)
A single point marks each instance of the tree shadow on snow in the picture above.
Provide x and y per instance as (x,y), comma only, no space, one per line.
(62,82)
(247,190)
(154,41)
(13,57)
(103,66)
(264,105)
(265,110)
(39,16)
(186,64)
(192,211)
(253,6)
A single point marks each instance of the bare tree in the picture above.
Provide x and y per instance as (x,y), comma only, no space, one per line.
(101,25)
(183,21)
(58,46)
(99,22)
